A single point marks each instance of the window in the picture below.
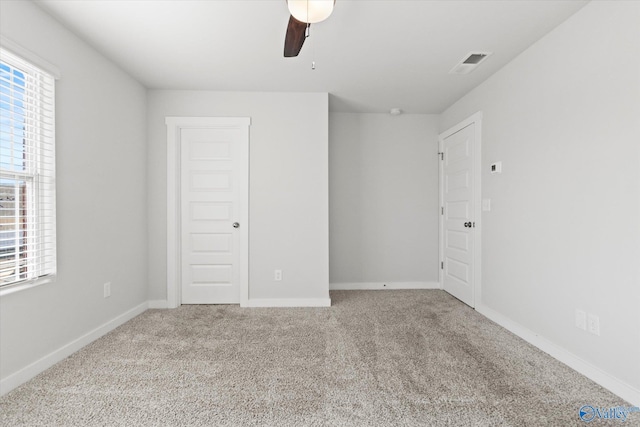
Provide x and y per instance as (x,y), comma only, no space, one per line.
(27,172)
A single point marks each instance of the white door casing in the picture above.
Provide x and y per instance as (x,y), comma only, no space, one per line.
(207,192)
(460,217)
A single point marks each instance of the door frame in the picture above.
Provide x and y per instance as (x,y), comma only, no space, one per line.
(174,199)
(475,119)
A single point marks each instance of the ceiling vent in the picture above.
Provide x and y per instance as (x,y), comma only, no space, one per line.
(470,62)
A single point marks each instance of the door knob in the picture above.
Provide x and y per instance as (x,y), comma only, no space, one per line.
(236,224)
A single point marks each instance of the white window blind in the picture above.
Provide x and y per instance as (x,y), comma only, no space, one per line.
(27,171)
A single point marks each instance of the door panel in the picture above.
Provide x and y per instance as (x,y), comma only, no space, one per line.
(210,202)
(458,203)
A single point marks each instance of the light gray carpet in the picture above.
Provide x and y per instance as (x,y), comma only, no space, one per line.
(376,358)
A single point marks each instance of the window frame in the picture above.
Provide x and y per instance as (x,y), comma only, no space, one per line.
(13,55)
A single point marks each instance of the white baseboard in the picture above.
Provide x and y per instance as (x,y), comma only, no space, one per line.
(288,302)
(361,286)
(608,381)
(158,303)
(25,374)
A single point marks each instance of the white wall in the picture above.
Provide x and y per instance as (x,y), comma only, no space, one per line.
(101,198)
(288,186)
(383,192)
(563,232)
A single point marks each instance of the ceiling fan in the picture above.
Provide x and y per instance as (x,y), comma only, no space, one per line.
(303,14)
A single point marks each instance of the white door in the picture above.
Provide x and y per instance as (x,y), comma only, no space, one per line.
(458,223)
(213,169)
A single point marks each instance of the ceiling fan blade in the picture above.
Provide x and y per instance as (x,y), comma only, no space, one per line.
(294,39)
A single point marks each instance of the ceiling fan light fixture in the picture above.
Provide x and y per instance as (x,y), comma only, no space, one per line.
(310,11)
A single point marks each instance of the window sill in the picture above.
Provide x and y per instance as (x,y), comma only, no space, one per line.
(21,286)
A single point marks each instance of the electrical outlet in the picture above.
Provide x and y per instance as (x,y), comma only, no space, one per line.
(593,324)
(581,320)
(107,289)
(277,275)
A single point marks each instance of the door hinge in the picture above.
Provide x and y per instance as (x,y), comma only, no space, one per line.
(441,155)
(442,265)
(442,210)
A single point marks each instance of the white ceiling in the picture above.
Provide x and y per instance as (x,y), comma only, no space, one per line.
(370,55)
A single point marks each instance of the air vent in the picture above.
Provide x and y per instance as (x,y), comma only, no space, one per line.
(470,62)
